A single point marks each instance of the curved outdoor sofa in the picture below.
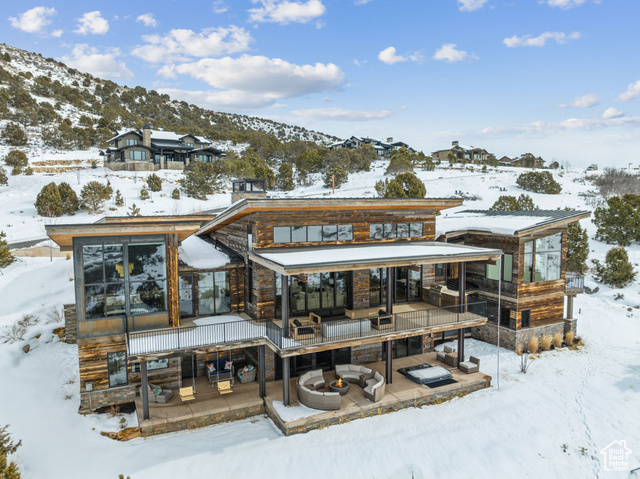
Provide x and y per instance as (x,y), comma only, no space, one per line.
(354,374)
(375,388)
(307,394)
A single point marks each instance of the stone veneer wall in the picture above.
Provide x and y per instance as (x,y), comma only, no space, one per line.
(509,338)
(366,353)
(90,401)
(70,324)
(571,325)
(361,289)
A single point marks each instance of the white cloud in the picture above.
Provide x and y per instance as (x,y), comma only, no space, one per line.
(390,57)
(341,114)
(256,81)
(585,101)
(361,2)
(284,11)
(92,22)
(103,65)
(612,113)
(181,44)
(449,53)
(565,4)
(540,40)
(57,33)
(543,129)
(470,5)
(34,20)
(147,19)
(220,7)
(633,92)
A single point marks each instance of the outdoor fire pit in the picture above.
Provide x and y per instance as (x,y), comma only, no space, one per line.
(339,386)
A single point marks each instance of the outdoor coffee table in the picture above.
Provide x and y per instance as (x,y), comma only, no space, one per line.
(333,387)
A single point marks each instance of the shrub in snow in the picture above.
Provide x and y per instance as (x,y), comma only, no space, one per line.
(617,270)
(48,202)
(568,338)
(405,185)
(14,135)
(511,203)
(154,182)
(17,160)
(284,180)
(6,258)
(175,194)
(93,196)
(3,177)
(577,248)
(8,469)
(133,211)
(399,164)
(545,342)
(619,222)
(539,182)
(119,199)
(615,182)
(533,345)
(144,193)
(336,175)
(557,340)
(202,179)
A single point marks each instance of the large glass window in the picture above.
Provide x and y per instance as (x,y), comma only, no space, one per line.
(214,296)
(117,368)
(375,231)
(313,291)
(377,286)
(185,282)
(313,234)
(320,291)
(345,232)
(395,230)
(147,278)
(104,281)
(131,142)
(282,234)
(137,155)
(507,269)
(329,233)
(543,259)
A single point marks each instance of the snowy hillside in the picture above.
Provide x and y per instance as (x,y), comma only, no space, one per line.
(551,422)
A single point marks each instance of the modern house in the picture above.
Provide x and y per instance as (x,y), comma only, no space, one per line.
(383,148)
(292,287)
(148,150)
(461,153)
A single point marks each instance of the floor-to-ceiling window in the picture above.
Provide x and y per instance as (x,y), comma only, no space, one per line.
(406,285)
(186,295)
(377,286)
(214,292)
(319,291)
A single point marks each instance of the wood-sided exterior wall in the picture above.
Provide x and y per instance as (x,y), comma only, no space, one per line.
(545,299)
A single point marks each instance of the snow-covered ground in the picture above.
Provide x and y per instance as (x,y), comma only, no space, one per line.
(551,422)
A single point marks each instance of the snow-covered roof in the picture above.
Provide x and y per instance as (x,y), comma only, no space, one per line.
(503,222)
(199,253)
(337,258)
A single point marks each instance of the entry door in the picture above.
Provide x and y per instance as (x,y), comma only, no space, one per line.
(186,282)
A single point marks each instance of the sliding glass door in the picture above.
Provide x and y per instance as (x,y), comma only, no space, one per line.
(319,291)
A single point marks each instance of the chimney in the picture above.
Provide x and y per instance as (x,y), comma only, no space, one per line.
(146,135)
(455,143)
(390,139)
(248,188)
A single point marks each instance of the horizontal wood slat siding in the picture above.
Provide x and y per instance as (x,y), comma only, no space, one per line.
(92,360)
(234,235)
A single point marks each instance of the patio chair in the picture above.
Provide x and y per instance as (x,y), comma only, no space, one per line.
(441,355)
(224,387)
(471,366)
(187,393)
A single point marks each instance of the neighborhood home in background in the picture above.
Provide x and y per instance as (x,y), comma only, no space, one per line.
(176,308)
(383,148)
(149,150)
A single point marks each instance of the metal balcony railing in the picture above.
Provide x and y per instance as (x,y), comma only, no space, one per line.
(574,283)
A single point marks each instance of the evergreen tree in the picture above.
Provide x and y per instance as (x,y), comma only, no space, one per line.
(577,248)
(618,222)
(511,203)
(17,160)
(175,194)
(119,199)
(539,182)
(28,171)
(133,210)
(49,202)
(405,185)
(3,177)
(310,162)
(200,179)
(14,135)
(93,196)
(70,203)
(617,270)
(8,469)
(108,189)
(144,193)
(262,171)
(400,163)
(154,182)
(284,180)
(337,172)
(6,258)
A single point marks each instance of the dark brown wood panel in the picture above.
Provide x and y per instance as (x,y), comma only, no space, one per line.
(92,360)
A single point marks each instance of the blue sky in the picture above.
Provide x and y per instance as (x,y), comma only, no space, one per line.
(558,78)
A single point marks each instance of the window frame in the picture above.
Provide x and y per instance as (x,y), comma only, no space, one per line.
(110,374)
(315,233)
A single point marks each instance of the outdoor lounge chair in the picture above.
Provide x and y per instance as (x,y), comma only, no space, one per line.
(187,393)
(471,366)
(440,355)
(224,387)
(156,394)
(301,331)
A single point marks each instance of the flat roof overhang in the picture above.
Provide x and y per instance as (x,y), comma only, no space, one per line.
(313,259)
(63,235)
(248,206)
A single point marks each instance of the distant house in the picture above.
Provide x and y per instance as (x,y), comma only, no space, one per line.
(147,149)
(383,148)
(461,153)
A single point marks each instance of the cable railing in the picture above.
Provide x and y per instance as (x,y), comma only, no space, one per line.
(574,282)
(299,333)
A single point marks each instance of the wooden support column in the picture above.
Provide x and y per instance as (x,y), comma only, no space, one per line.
(389,372)
(570,306)
(261,371)
(285,306)
(173,289)
(390,276)
(144,390)
(285,381)
(462,307)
